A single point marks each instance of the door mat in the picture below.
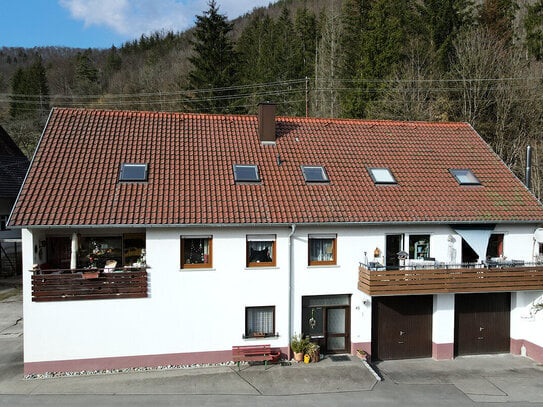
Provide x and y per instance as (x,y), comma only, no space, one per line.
(339,358)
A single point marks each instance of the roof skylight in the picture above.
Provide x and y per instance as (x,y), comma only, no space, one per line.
(381,175)
(133,172)
(314,173)
(465,176)
(246,173)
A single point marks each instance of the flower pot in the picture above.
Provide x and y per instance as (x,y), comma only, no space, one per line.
(275,356)
(307,358)
(362,355)
(298,356)
(90,274)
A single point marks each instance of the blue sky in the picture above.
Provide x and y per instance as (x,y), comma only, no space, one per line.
(101,23)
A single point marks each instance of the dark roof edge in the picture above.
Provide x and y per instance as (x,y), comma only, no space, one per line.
(300,224)
(30,165)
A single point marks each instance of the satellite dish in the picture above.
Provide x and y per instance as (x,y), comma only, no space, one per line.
(538,235)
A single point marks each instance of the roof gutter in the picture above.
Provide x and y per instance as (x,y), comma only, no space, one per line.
(236,225)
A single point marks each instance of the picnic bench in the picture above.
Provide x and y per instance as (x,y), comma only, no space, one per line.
(259,353)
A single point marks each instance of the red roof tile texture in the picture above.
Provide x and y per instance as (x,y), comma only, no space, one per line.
(74,179)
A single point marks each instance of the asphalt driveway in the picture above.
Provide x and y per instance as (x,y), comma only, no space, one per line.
(466,381)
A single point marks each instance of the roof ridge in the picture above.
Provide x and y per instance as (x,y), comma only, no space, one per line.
(409,123)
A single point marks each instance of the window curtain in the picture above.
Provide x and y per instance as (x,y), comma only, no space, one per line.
(260,320)
(322,250)
(260,251)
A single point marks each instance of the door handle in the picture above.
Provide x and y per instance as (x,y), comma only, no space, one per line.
(402,333)
(481,329)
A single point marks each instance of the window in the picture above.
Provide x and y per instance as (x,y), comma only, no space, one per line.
(246,173)
(495,245)
(419,247)
(381,175)
(322,250)
(259,322)
(260,250)
(133,172)
(313,173)
(196,252)
(465,177)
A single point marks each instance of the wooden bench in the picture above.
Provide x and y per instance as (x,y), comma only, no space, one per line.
(259,353)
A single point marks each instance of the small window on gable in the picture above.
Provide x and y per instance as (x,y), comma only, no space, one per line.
(314,173)
(381,175)
(133,172)
(246,173)
(465,177)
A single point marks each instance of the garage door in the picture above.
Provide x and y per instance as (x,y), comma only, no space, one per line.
(402,327)
(482,323)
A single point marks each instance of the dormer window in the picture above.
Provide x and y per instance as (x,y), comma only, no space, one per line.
(381,175)
(314,173)
(246,173)
(133,172)
(465,177)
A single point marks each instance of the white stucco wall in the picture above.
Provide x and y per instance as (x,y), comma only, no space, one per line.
(526,324)
(200,310)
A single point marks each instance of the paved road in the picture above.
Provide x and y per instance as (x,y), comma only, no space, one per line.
(468,381)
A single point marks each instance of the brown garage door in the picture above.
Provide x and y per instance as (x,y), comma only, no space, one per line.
(402,327)
(482,323)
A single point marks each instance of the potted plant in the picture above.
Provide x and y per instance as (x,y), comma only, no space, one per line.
(362,354)
(313,350)
(298,345)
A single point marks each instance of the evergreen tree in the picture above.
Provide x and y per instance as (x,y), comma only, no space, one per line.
(384,40)
(214,60)
(86,74)
(440,22)
(498,16)
(354,18)
(533,24)
(30,97)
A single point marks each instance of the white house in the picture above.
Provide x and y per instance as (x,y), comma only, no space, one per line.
(209,231)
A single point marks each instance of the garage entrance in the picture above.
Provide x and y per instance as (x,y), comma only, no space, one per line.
(402,327)
(482,323)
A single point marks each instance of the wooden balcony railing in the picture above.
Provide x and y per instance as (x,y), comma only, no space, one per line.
(94,284)
(450,280)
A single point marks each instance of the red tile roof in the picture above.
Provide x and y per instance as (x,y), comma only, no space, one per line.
(74,175)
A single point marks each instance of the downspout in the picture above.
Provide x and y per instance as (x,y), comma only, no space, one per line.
(290,285)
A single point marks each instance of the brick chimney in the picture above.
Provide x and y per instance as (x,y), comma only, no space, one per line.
(266,122)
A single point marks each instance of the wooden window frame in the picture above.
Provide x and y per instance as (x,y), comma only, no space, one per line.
(261,264)
(265,334)
(207,265)
(332,262)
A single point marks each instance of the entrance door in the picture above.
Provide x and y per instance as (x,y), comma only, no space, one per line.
(482,323)
(394,245)
(326,320)
(336,329)
(402,327)
(59,252)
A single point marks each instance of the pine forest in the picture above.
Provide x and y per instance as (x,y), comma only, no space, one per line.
(474,61)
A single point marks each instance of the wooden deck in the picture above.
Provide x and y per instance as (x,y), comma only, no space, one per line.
(457,280)
(73,286)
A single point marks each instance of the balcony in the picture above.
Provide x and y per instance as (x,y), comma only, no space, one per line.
(89,284)
(441,278)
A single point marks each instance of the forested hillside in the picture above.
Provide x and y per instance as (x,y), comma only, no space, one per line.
(441,60)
